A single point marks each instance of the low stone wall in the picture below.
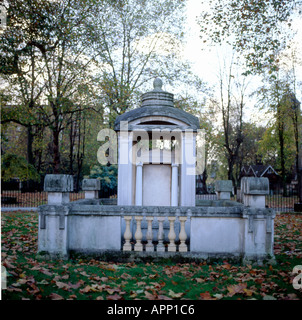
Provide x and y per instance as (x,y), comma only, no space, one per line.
(214,228)
(87,226)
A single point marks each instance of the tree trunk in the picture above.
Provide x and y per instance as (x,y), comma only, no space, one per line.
(56,152)
(203,179)
(30,140)
(281,143)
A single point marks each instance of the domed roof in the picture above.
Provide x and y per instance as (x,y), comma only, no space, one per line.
(158,104)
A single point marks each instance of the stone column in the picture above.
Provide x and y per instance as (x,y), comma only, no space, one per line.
(174,185)
(139,184)
(188,169)
(125,167)
(53,218)
(223,189)
(91,188)
(254,192)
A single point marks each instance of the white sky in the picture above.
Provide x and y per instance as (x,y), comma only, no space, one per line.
(205,60)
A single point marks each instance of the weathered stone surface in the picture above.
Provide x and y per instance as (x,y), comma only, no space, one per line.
(223,186)
(157,96)
(158,110)
(53,230)
(256,186)
(158,103)
(58,183)
(91,185)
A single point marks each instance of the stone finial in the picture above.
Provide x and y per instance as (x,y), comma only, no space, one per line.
(157,84)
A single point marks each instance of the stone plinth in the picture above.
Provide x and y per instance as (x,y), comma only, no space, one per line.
(254,191)
(223,189)
(91,188)
(58,187)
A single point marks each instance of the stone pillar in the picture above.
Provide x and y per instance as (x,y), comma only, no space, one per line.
(58,187)
(91,188)
(254,191)
(223,189)
(188,169)
(174,185)
(125,169)
(53,218)
(139,184)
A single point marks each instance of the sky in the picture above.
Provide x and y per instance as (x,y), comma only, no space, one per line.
(205,62)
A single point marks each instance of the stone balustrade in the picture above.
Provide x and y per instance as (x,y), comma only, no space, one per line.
(154,222)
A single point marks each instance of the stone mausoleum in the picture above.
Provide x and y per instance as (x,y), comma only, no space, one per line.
(156,214)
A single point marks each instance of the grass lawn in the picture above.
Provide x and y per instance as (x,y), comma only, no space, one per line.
(90,279)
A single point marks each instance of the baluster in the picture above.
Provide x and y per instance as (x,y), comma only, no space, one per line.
(160,245)
(127,235)
(149,236)
(138,234)
(172,235)
(182,235)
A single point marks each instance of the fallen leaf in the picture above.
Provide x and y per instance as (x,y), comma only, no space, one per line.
(236,288)
(110,291)
(218,296)
(14,289)
(62,285)
(172,294)
(126,276)
(162,297)
(77,285)
(114,297)
(150,296)
(43,282)
(292,296)
(55,296)
(248,292)
(206,296)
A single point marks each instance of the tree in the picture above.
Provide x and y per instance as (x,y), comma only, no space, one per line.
(257,29)
(290,102)
(249,149)
(14,166)
(231,106)
(47,58)
(278,142)
(140,41)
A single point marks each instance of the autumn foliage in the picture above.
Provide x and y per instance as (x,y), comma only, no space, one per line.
(30,277)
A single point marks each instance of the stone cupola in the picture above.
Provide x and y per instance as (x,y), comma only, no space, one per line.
(156,152)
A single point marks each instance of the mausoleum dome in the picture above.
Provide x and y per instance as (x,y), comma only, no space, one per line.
(157,107)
